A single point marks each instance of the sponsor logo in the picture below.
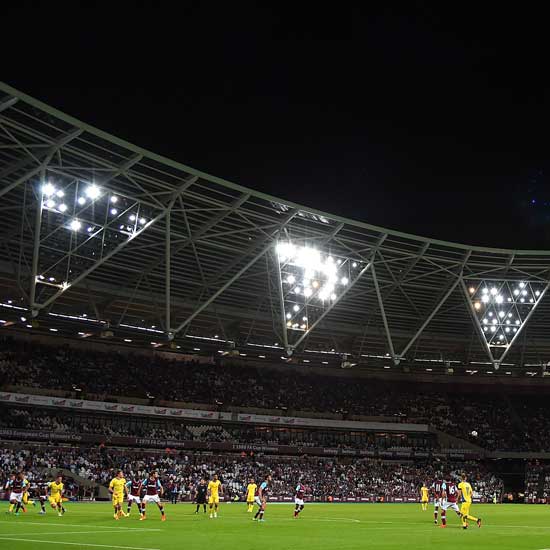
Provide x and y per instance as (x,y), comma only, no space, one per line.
(76,404)
(5,396)
(176,412)
(111,407)
(127,409)
(207,415)
(59,402)
(160,411)
(24,399)
(274,418)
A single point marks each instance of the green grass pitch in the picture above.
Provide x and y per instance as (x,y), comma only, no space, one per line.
(321,526)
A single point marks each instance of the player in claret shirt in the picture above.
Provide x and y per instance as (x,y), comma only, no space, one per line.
(449,496)
(261,498)
(436,489)
(299,499)
(134,488)
(153,492)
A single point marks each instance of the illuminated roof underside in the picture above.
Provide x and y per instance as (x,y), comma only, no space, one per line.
(94,228)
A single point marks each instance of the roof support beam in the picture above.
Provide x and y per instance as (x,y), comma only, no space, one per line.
(48,157)
(239,273)
(331,307)
(384,318)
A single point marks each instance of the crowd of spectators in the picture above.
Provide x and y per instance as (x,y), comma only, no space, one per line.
(77,422)
(483,419)
(324,477)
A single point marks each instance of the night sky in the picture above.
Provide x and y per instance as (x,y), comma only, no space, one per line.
(430,123)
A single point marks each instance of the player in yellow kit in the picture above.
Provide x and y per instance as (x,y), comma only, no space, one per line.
(250,492)
(465,495)
(118,489)
(215,489)
(424,497)
(56,495)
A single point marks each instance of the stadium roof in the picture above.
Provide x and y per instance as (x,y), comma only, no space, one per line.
(98,233)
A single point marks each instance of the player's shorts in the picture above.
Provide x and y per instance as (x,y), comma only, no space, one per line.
(117,500)
(437,502)
(18,497)
(132,498)
(449,505)
(465,508)
(299,501)
(151,498)
(258,501)
(55,499)
(213,500)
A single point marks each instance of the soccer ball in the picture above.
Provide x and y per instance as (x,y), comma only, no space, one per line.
(474,433)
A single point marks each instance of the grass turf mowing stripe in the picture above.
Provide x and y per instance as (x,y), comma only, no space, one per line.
(61,543)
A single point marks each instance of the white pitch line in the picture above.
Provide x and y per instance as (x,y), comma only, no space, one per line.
(44,524)
(55,533)
(59,542)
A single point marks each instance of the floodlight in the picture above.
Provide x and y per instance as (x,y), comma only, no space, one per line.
(62,207)
(132,217)
(289,315)
(81,201)
(75,225)
(485,298)
(501,314)
(114,211)
(142,221)
(493,329)
(90,229)
(507,329)
(354,264)
(490,313)
(516,292)
(50,203)
(494,291)
(524,293)
(472,290)
(93,192)
(48,189)
(485,321)
(307,292)
(537,293)
(296,307)
(499,299)
(114,199)
(304,319)
(60,193)
(484,290)
(333,296)
(522,285)
(477,305)
(291,279)
(517,322)
(344,281)
(297,290)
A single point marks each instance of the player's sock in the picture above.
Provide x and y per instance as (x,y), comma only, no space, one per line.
(261,515)
(471,518)
(296,511)
(197,510)
(17,507)
(161,508)
(10,509)
(257,514)
(43,506)
(128,509)
(435,516)
(204,508)
(443,518)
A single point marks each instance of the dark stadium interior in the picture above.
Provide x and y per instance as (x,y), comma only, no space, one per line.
(339,282)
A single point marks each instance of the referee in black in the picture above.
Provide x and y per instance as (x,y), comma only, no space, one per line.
(200,495)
